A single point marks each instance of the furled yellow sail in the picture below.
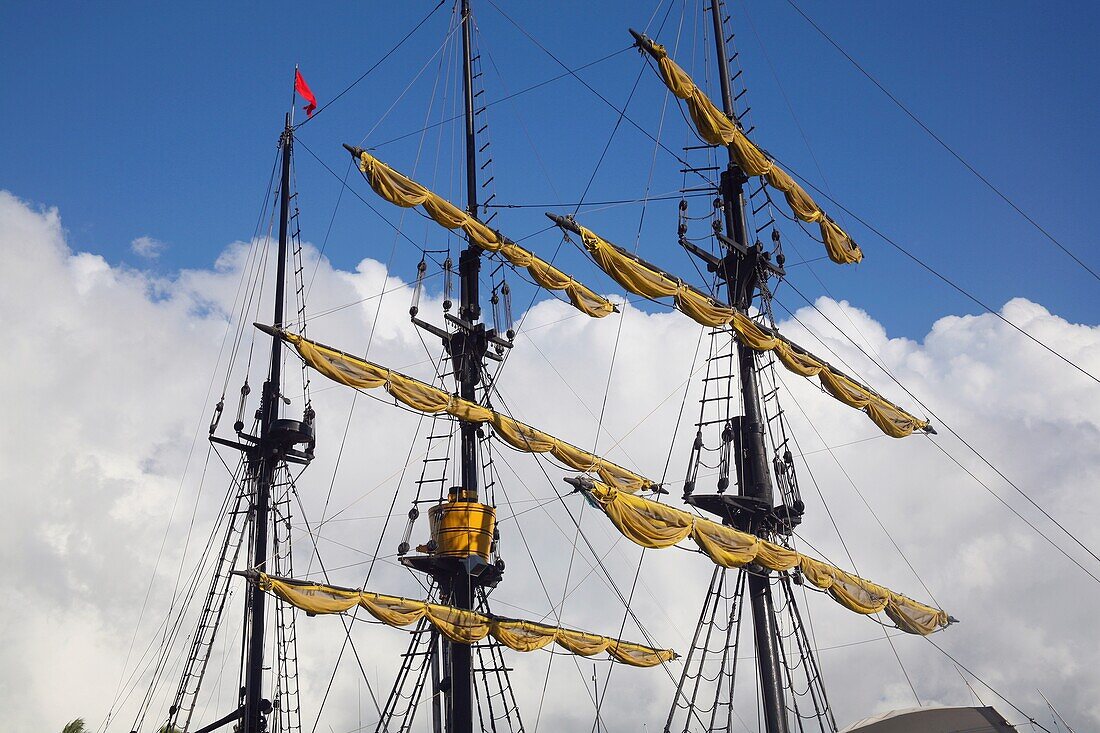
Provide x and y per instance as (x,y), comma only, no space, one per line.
(405,192)
(642,278)
(360,373)
(717,129)
(458,625)
(654,525)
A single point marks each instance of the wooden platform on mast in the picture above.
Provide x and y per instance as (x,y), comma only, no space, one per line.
(481,572)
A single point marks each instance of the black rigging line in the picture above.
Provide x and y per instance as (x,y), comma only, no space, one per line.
(366,203)
(505,98)
(962,440)
(589,87)
(943,144)
(615,351)
(555,609)
(374,66)
(609,579)
(935,272)
(848,211)
(328,231)
(610,371)
(316,553)
(374,324)
(610,139)
(615,202)
(343,617)
(579,203)
(242,286)
(986,684)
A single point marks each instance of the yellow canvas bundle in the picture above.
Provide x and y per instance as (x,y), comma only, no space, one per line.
(643,279)
(360,373)
(653,525)
(390,610)
(717,129)
(405,192)
(523,636)
(459,625)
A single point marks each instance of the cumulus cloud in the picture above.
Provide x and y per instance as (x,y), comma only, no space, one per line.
(107,482)
(147,247)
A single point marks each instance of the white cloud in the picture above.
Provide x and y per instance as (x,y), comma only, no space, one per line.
(107,378)
(148,247)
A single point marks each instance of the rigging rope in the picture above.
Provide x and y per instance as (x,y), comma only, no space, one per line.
(836,527)
(555,609)
(966,443)
(618,334)
(241,287)
(958,156)
(389,514)
(589,87)
(973,298)
(374,66)
(820,171)
(505,98)
(845,209)
(343,619)
(957,663)
(609,578)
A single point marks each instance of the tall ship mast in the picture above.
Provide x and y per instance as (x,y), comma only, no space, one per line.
(737,513)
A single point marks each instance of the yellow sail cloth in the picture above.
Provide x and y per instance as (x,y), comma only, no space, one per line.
(642,278)
(717,129)
(404,192)
(654,525)
(458,625)
(360,373)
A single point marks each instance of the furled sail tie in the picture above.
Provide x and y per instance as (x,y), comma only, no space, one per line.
(717,129)
(458,625)
(642,278)
(653,525)
(405,192)
(362,374)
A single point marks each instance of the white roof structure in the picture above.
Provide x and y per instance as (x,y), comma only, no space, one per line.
(934,720)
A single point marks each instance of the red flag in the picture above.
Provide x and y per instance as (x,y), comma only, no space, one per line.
(302,88)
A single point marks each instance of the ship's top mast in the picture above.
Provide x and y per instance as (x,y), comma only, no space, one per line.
(468,346)
(265,464)
(469,351)
(266,454)
(741,269)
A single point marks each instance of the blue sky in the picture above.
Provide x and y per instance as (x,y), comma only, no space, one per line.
(160,120)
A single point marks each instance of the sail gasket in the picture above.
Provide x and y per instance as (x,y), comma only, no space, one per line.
(717,129)
(402,191)
(643,278)
(356,372)
(653,525)
(459,625)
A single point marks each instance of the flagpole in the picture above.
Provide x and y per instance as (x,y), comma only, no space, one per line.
(293,95)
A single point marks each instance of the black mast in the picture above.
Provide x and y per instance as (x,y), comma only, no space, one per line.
(469,267)
(740,270)
(459,562)
(265,460)
(468,346)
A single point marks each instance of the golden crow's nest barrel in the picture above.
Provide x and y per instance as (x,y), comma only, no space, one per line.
(461,528)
